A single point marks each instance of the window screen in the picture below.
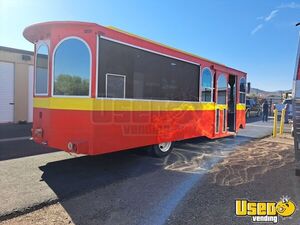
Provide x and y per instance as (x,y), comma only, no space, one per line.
(148,75)
(115,86)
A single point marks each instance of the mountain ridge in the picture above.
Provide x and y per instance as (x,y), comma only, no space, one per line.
(257,91)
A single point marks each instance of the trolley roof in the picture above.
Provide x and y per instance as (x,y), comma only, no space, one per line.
(41,31)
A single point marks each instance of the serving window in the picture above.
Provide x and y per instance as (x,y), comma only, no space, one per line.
(148,75)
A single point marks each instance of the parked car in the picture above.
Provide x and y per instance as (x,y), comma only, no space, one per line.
(281,106)
(252,108)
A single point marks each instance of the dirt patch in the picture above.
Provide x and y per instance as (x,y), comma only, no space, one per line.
(51,215)
(253,159)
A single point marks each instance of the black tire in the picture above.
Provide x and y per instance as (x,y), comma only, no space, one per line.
(158,151)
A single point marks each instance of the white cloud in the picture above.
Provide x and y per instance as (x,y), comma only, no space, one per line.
(271,15)
(257,28)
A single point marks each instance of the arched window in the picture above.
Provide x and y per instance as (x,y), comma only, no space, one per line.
(222,86)
(207,82)
(71,76)
(243,90)
(41,70)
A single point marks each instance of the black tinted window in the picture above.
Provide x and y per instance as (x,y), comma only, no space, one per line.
(148,75)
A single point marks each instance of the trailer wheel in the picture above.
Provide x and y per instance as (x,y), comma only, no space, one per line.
(162,149)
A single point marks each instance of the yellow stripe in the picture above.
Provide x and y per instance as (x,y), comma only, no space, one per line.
(240,106)
(221,106)
(91,104)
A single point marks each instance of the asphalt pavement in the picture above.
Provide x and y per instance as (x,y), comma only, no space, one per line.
(128,187)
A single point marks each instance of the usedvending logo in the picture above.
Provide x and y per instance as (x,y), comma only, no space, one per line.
(265,211)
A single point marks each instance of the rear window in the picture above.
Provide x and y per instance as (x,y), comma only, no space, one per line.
(41,71)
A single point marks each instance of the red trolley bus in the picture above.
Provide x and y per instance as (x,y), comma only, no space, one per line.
(98,89)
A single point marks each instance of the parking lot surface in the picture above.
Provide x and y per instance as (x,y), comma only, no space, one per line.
(196,184)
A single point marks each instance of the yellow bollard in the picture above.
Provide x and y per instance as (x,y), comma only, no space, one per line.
(275,123)
(282,121)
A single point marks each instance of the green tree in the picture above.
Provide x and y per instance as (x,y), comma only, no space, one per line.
(66,84)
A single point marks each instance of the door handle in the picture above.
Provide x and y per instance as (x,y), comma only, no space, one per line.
(11,103)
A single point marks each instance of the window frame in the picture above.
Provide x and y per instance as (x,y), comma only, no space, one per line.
(147,50)
(90,68)
(217,121)
(224,127)
(116,75)
(244,103)
(37,46)
(212,85)
(217,100)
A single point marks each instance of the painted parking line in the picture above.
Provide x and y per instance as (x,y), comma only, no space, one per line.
(15,139)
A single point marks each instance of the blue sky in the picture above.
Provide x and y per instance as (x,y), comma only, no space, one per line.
(258,37)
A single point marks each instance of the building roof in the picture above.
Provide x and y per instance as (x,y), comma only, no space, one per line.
(15,50)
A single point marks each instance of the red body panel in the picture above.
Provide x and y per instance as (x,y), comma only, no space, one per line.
(96,132)
(240,119)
